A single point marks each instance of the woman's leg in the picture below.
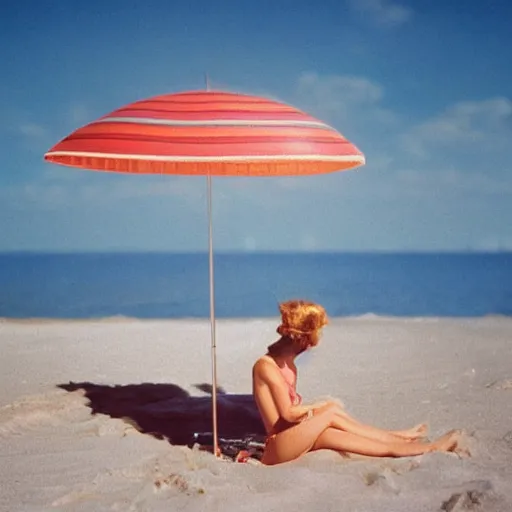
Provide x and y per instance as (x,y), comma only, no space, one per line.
(346,442)
(320,431)
(349,424)
(299,439)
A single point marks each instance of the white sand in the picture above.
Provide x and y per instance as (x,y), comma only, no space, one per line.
(56,455)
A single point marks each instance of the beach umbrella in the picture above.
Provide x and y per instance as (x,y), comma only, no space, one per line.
(209,133)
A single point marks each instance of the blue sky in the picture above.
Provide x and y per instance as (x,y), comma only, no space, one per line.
(422,88)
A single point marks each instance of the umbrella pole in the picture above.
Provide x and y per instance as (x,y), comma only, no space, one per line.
(212,320)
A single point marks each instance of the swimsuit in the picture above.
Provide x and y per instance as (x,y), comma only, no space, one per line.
(289,377)
(296,399)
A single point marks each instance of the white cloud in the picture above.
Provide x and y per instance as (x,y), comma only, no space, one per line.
(35,137)
(487,121)
(250,244)
(382,12)
(51,193)
(493,242)
(40,137)
(339,90)
(355,106)
(308,242)
(28,196)
(349,100)
(425,182)
(33,130)
(396,163)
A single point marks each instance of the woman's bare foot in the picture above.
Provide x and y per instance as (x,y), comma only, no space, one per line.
(414,433)
(448,442)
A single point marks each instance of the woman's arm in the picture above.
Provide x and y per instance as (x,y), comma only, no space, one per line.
(270,376)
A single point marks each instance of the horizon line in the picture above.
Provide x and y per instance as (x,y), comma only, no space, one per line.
(255,252)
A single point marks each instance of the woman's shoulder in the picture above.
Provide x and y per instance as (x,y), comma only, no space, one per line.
(264,365)
(264,361)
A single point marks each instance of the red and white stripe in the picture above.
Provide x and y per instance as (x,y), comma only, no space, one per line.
(206,132)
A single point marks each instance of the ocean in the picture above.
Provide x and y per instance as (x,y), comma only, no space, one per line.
(159,285)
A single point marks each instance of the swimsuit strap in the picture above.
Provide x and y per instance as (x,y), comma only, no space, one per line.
(286,372)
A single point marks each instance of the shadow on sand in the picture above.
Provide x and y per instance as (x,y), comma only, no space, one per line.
(167,411)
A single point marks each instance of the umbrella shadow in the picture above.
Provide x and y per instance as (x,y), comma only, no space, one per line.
(167,411)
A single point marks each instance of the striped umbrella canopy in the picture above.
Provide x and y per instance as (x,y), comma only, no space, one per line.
(211,133)
(208,132)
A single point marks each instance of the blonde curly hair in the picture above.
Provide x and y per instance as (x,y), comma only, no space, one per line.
(301,322)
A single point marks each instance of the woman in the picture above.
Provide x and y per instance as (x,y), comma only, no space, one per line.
(294,429)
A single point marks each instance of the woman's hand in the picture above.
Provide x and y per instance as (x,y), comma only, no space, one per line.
(323,404)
